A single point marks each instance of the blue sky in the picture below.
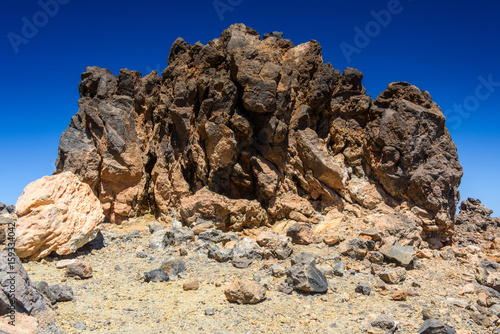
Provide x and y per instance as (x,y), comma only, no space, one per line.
(449,48)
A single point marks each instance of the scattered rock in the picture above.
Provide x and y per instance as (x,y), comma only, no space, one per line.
(210,311)
(44,289)
(64,263)
(301,233)
(173,267)
(212,235)
(355,247)
(401,254)
(223,255)
(245,292)
(79,269)
(338,269)
(488,273)
(155,227)
(62,293)
(80,325)
(157,239)
(280,246)
(331,238)
(434,326)
(156,275)
(363,288)
(178,235)
(249,249)
(400,295)
(191,285)
(241,262)
(392,275)
(278,271)
(303,275)
(384,322)
(56,214)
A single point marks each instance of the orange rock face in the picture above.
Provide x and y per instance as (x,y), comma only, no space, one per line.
(56,214)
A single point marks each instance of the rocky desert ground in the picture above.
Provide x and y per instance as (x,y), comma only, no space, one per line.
(251,188)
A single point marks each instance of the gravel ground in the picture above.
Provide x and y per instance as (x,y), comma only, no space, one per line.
(117,300)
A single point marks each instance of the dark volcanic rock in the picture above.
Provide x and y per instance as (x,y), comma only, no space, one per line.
(156,275)
(303,275)
(27,298)
(475,226)
(250,121)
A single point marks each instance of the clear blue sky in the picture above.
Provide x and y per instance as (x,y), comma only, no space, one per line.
(440,46)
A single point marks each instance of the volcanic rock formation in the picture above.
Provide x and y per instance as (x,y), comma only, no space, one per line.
(261,121)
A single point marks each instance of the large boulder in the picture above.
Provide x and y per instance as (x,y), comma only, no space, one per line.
(251,121)
(56,214)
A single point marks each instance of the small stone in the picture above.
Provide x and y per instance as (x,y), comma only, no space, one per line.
(223,255)
(462,303)
(481,319)
(301,233)
(155,226)
(64,263)
(383,322)
(375,257)
(210,311)
(278,270)
(467,289)
(245,292)
(183,251)
(400,295)
(304,276)
(173,267)
(331,238)
(433,326)
(356,248)
(191,285)
(141,255)
(482,299)
(363,288)
(401,254)
(241,262)
(285,288)
(338,269)
(79,269)
(157,275)
(44,289)
(63,293)
(392,275)
(80,325)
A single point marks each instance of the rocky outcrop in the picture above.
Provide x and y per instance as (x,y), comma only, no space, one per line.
(56,214)
(255,121)
(475,226)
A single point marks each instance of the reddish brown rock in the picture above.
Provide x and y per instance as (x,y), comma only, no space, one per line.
(79,269)
(301,234)
(245,292)
(265,121)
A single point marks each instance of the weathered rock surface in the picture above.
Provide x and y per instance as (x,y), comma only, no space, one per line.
(280,246)
(258,122)
(303,275)
(13,275)
(475,226)
(245,292)
(56,214)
